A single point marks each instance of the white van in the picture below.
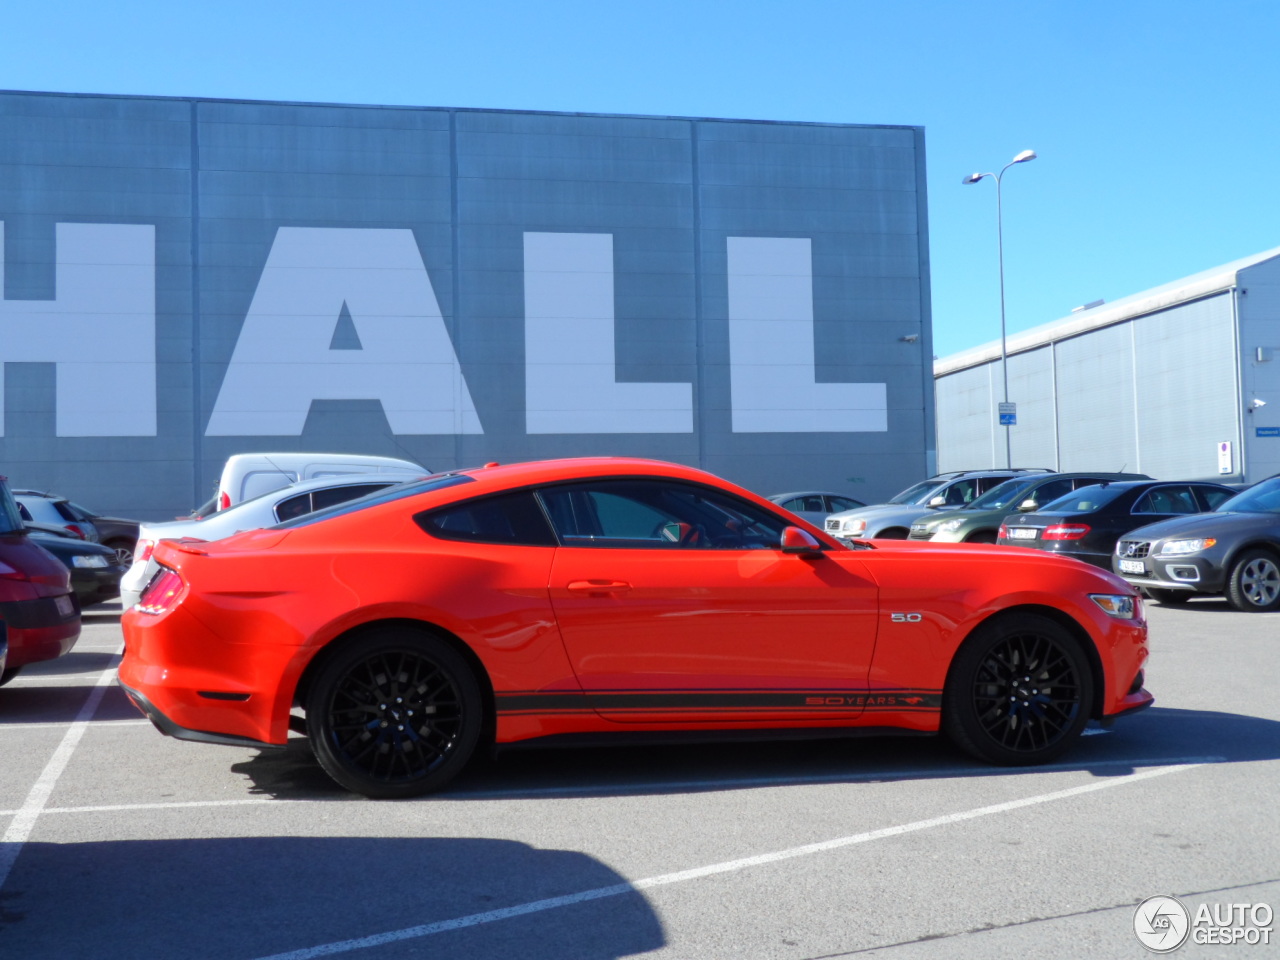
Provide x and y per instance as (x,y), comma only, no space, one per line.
(249,475)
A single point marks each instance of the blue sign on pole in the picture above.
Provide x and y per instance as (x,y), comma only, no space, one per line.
(1267,431)
(1008,414)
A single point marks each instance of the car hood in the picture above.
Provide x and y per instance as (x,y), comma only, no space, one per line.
(1205,524)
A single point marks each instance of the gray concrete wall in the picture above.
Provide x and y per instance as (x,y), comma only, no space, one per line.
(187,279)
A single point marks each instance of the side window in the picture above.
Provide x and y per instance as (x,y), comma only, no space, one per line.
(657,514)
(812,504)
(335,495)
(960,493)
(1050,491)
(294,507)
(513,518)
(1212,496)
(24,512)
(1172,499)
(840,504)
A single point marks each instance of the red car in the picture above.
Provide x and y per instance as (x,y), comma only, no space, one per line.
(573,598)
(38,614)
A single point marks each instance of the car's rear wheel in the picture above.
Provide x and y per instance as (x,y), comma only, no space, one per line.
(1018,692)
(1169,598)
(396,713)
(124,552)
(1254,583)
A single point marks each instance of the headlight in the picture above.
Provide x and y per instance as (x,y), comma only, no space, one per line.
(93,560)
(951,526)
(1180,548)
(856,527)
(1120,607)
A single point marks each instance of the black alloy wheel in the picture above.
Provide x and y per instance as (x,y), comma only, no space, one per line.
(394,714)
(1254,583)
(124,552)
(1169,598)
(1019,691)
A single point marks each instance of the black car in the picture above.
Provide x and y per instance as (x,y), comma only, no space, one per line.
(115,532)
(1086,523)
(95,569)
(1233,551)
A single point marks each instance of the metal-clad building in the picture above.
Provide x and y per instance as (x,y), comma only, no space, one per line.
(185,279)
(1179,382)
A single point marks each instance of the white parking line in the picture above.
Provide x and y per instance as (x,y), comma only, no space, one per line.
(728,866)
(24,819)
(60,725)
(614,789)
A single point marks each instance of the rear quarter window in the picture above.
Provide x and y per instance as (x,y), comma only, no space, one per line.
(512,518)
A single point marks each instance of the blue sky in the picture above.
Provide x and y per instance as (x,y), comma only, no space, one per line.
(1155,122)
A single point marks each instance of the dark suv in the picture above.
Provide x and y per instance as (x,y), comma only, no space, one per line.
(979,522)
(40,615)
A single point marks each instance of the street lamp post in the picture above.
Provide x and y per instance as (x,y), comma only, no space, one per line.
(1023,157)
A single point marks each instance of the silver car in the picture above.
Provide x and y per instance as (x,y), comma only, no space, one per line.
(892,520)
(267,510)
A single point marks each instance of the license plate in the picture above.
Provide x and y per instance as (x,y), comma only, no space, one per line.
(65,607)
(1022,533)
(1132,566)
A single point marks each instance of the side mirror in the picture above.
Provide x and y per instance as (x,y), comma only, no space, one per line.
(795,540)
(1027,506)
(937,501)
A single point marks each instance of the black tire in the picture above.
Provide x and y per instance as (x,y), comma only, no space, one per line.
(1254,583)
(1168,598)
(124,552)
(893,533)
(9,674)
(982,536)
(1019,691)
(394,714)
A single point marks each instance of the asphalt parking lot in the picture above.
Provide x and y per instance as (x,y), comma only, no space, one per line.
(122,843)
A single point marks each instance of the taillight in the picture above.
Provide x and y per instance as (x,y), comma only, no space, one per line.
(77,531)
(1065,531)
(1004,532)
(161,593)
(12,573)
(143,550)
(224,500)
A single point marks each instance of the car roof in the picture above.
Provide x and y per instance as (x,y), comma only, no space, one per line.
(340,480)
(776,497)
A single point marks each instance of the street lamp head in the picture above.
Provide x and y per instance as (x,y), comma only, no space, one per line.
(974,177)
(1024,156)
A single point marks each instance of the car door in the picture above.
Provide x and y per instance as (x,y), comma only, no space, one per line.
(675,601)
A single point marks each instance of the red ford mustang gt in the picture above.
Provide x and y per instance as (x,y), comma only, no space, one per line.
(572,598)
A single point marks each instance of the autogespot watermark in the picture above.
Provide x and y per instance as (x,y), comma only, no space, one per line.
(1163,924)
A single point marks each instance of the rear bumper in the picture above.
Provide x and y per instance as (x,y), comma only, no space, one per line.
(178,732)
(40,629)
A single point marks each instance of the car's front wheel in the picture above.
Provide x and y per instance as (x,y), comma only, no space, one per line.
(394,714)
(1018,691)
(1254,583)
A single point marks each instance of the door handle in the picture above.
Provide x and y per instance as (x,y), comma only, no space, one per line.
(599,588)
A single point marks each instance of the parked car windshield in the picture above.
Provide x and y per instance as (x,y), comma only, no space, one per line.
(1001,496)
(1262,498)
(917,492)
(10,519)
(1084,500)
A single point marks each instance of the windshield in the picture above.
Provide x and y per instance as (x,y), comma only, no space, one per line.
(397,492)
(917,493)
(10,519)
(997,498)
(1263,498)
(1084,500)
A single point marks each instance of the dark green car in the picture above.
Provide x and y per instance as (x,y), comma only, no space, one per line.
(979,522)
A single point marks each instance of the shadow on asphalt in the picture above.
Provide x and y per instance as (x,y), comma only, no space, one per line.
(1156,737)
(255,896)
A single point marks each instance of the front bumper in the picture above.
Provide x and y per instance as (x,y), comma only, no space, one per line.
(1196,573)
